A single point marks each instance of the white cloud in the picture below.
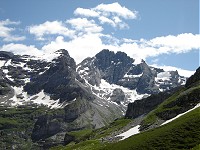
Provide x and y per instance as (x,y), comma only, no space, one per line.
(116,9)
(104,20)
(86,12)
(6,32)
(111,14)
(176,44)
(21,49)
(87,45)
(48,28)
(79,48)
(91,43)
(85,25)
(12,38)
(182,72)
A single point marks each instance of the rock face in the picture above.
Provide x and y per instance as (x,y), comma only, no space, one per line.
(44,128)
(59,80)
(118,68)
(68,138)
(118,96)
(114,66)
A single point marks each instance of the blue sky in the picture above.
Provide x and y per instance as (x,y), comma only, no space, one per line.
(164,33)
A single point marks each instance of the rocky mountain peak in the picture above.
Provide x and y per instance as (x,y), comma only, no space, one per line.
(118,68)
(59,80)
(64,60)
(106,59)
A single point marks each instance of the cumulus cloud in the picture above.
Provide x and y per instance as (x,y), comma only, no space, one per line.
(50,28)
(86,12)
(116,9)
(176,44)
(111,14)
(104,20)
(91,43)
(6,31)
(87,45)
(79,48)
(21,49)
(84,25)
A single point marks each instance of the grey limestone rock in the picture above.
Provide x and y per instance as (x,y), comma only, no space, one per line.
(118,95)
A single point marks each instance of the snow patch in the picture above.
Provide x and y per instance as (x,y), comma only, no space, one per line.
(133,76)
(22,98)
(2,63)
(130,132)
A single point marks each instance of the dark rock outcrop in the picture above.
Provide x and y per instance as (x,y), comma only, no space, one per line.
(59,80)
(114,66)
(144,106)
(45,127)
(68,138)
(5,54)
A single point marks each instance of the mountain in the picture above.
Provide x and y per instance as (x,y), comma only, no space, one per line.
(44,99)
(120,69)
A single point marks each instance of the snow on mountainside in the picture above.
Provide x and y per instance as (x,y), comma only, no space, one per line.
(110,76)
(108,71)
(17,71)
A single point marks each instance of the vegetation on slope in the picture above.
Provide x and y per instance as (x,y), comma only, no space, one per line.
(91,139)
(179,102)
(182,133)
(16,125)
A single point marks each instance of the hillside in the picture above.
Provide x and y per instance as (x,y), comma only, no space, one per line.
(182,133)
(173,124)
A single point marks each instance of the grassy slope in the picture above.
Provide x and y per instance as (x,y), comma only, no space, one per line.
(16,125)
(94,136)
(152,117)
(183,133)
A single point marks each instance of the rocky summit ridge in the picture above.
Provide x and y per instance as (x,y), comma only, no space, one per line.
(110,77)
